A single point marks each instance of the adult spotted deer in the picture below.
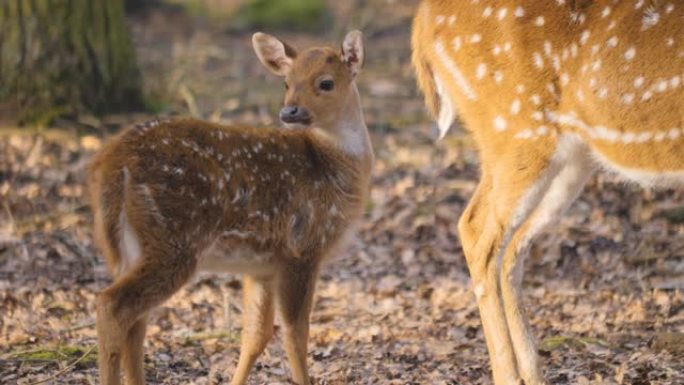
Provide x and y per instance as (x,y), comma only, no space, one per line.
(551,91)
(170,198)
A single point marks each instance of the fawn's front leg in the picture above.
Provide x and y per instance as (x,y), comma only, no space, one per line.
(295,289)
(257,324)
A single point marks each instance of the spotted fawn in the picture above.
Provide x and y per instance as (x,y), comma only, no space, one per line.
(551,91)
(174,197)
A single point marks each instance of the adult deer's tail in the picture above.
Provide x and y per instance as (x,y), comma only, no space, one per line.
(423,40)
(420,42)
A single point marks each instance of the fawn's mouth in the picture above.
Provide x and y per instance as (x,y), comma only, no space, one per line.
(296,123)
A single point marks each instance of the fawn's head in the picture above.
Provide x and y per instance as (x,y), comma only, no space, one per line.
(319,81)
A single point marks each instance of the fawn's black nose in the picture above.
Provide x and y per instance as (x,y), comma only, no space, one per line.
(295,114)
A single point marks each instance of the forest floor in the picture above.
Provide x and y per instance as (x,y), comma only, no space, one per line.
(604,289)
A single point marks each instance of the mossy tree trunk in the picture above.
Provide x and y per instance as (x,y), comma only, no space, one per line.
(61,57)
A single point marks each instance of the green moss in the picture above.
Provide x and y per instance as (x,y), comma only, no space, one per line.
(65,353)
(555,342)
(307,15)
(674,215)
(221,334)
(155,104)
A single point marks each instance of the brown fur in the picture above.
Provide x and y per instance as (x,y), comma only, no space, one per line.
(550,91)
(266,202)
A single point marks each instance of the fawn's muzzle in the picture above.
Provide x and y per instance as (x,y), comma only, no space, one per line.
(295,115)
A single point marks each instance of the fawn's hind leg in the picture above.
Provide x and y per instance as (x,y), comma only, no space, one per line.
(122,306)
(257,324)
(295,289)
(133,355)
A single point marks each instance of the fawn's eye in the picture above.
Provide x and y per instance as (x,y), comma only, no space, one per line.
(286,86)
(326,85)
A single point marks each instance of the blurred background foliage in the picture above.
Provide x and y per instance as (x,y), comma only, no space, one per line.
(292,15)
(69,58)
(84,60)
(64,57)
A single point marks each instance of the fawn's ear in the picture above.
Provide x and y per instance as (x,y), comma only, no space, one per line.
(273,53)
(352,51)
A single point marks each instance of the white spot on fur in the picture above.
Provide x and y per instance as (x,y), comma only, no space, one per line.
(538,60)
(584,37)
(500,123)
(630,53)
(651,18)
(565,79)
(487,12)
(515,106)
(605,12)
(502,13)
(602,92)
(481,71)
(456,43)
(638,81)
(627,98)
(519,11)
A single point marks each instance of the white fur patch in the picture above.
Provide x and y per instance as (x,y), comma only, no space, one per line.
(447,113)
(454,71)
(645,178)
(530,200)
(564,189)
(129,244)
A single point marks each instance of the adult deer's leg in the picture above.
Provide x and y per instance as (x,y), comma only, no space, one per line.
(257,324)
(512,185)
(295,291)
(120,307)
(494,326)
(562,192)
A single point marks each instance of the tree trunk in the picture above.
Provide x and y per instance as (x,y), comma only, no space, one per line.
(63,57)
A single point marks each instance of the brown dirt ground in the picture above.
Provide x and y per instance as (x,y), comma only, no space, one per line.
(603,289)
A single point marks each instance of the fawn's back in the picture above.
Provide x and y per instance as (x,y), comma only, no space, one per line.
(231,194)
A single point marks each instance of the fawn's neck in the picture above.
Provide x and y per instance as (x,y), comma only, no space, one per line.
(350,133)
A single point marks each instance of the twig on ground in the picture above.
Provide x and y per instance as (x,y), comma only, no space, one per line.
(65,369)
